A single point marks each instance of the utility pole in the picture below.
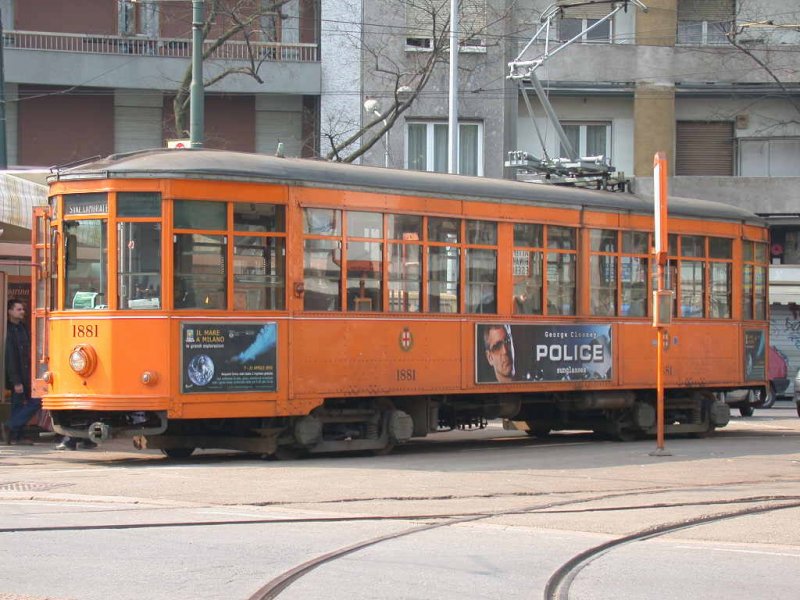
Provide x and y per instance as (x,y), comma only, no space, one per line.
(452,121)
(196,92)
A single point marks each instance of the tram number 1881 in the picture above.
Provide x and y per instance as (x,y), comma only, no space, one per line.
(84,331)
(406,374)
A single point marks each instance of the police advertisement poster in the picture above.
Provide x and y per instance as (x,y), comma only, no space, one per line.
(527,353)
(755,341)
(228,357)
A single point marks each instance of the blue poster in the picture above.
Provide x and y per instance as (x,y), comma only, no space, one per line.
(228,357)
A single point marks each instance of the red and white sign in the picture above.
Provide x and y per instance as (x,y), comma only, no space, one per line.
(179,144)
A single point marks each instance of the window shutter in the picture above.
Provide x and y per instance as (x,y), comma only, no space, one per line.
(420,18)
(713,11)
(704,148)
(586,11)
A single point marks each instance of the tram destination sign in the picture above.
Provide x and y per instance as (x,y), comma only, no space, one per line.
(85,204)
(506,353)
(228,357)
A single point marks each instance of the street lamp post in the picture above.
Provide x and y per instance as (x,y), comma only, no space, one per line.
(196,95)
(372,106)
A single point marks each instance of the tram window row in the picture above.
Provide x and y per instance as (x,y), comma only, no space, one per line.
(361,261)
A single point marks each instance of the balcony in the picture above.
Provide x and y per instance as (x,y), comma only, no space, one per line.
(165,47)
(69,59)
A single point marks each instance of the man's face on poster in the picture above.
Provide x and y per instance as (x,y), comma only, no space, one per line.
(498,353)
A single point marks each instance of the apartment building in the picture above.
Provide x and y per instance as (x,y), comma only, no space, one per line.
(713,83)
(93,77)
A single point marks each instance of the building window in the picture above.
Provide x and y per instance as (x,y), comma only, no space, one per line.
(428,20)
(569,28)
(426,145)
(705,22)
(769,157)
(588,139)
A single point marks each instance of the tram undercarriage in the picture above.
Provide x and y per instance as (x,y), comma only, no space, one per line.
(378,424)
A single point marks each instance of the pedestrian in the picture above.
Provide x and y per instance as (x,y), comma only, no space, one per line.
(18,374)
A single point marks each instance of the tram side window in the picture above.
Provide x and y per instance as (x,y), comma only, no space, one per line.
(634,273)
(481,288)
(405,262)
(444,264)
(199,258)
(322,259)
(691,276)
(259,257)
(364,261)
(561,270)
(139,250)
(139,265)
(527,268)
(85,264)
(603,271)
(720,251)
(754,295)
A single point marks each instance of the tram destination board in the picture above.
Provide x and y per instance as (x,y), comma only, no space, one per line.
(228,357)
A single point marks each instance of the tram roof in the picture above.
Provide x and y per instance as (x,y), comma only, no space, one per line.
(239,166)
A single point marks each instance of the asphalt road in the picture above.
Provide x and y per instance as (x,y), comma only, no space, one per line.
(480,514)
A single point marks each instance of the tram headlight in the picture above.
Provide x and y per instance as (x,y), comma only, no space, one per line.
(83,360)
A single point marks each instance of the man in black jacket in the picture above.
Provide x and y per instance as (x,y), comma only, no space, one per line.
(18,374)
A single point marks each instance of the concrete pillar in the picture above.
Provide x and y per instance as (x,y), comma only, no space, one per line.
(653,126)
(657,26)
(654,100)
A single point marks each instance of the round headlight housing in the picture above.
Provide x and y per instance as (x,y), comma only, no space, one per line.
(83,360)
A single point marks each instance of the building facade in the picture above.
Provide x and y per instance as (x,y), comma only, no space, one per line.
(94,77)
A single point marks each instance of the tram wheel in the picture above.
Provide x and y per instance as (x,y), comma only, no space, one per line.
(746,411)
(177,452)
(537,430)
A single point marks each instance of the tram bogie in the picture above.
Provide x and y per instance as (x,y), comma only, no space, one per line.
(208,299)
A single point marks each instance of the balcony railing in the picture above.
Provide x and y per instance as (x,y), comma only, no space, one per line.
(164,47)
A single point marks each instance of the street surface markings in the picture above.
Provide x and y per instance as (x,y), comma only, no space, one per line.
(767,552)
(23,486)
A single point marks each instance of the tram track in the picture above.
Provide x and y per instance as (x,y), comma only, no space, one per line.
(559,584)
(281,582)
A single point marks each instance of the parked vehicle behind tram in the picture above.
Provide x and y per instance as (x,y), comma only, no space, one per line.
(199,298)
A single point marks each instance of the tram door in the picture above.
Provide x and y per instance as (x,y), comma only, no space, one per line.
(42,295)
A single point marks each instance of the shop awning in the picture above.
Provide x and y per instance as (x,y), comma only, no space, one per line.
(20,191)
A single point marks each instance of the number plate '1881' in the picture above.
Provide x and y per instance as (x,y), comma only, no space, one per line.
(85,331)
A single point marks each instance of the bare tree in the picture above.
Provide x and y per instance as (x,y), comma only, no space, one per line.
(402,80)
(751,36)
(246,21)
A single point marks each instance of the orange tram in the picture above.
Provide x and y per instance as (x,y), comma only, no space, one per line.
(211,299)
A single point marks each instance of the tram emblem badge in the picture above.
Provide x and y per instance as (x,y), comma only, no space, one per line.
(406,340)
